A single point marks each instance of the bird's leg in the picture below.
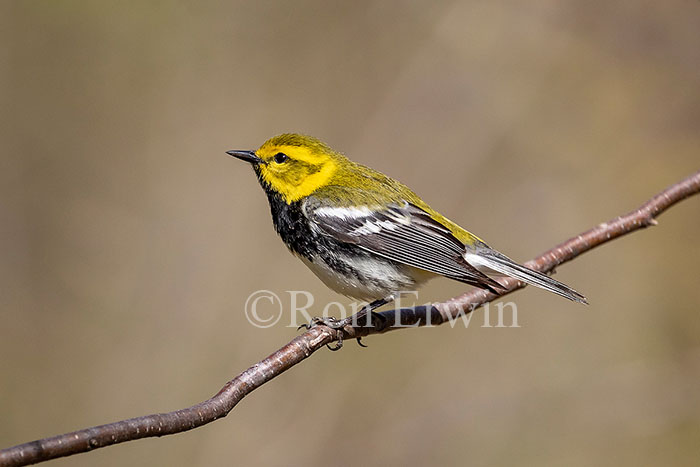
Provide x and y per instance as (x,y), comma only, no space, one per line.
(367,311)
(339,324)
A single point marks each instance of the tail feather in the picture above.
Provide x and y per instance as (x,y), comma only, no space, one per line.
(499,263)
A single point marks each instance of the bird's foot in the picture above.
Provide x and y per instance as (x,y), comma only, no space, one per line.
(333,323)
(330,322)
(340,324)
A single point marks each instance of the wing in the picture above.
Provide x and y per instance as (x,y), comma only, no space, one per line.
(403,233)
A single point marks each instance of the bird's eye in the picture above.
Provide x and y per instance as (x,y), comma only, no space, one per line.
(281,157)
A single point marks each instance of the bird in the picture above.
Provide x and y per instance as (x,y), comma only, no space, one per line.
(366,235)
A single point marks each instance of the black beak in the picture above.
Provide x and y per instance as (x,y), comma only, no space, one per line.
(248,156)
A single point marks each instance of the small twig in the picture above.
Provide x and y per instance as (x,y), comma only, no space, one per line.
(307,343)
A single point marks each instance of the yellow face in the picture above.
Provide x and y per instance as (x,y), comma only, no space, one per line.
(295,166)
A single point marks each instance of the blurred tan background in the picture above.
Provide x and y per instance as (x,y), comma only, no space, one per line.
(130,241)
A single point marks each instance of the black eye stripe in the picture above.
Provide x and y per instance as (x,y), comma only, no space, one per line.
(280,157)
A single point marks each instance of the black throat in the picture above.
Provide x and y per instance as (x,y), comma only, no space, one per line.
(291,224)
(296,232)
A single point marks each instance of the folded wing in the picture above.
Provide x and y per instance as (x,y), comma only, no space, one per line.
(402,233)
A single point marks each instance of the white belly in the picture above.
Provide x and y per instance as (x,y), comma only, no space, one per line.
(370,279)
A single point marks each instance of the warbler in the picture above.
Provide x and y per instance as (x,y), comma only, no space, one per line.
(366,235)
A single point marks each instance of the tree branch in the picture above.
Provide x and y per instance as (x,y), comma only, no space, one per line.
(307,343)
